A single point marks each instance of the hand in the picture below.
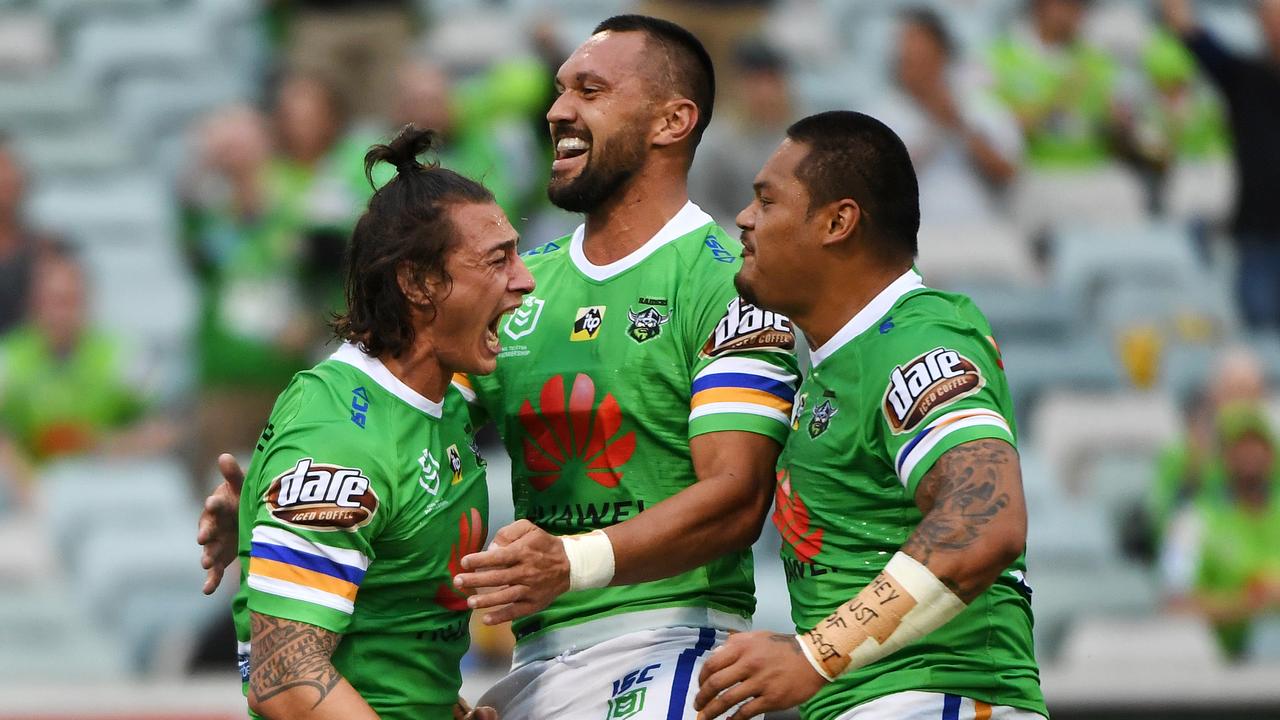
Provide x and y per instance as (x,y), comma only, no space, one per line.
(462,710)
(219,523)
(524,569)
(769,670)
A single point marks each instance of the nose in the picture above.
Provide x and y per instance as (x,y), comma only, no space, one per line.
(561,111)
(521,279)
(746,219)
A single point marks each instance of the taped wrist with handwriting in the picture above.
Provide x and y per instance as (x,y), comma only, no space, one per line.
(590,560)
(905,602)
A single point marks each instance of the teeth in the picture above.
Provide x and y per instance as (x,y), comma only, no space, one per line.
(572,143)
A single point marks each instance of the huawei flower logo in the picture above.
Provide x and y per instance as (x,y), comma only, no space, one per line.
(574,435)
(470,539)
(792,519)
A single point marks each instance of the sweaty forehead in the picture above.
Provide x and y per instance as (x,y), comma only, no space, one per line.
(612,56)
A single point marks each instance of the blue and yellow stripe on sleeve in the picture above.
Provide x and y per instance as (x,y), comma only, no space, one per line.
(741,387)
(290,566)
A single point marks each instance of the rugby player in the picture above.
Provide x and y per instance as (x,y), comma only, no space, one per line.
(365,490)
(642,402)
(899,496)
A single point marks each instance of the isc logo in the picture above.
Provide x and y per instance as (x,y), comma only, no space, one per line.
(359,406)
(322,496)
(930,381)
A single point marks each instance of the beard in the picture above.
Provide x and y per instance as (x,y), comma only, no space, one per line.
(745,290)
(603,176)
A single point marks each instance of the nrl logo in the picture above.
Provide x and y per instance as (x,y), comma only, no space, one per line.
(646,324)
(821,419)
(430,479)
(524,319)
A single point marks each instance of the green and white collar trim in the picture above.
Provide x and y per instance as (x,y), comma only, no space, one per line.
(868,315)
(689,218)
(373,367)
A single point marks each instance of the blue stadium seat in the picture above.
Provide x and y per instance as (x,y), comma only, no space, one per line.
(103,51)
(1111,195)
(1264,640)
(133,205)
(43,635)
(44,105)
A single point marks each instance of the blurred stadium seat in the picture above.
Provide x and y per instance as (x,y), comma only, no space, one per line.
(1158,644)
(43,635)
(1108,196)
(977,254)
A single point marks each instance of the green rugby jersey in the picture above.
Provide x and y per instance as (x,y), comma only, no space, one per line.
(909,377)
(358,506)
(605,374)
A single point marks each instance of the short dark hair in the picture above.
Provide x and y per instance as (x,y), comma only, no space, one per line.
(852,155)
(687,61)
(406,223)
(928,20)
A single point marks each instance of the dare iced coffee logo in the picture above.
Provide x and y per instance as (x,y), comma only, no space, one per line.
(933,380)
(322,497)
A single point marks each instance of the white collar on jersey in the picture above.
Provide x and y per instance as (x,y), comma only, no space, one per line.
(871,312)
(690,218)
(373,367)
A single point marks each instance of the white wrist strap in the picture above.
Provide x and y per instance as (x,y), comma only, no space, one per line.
(808,655)
(590,560)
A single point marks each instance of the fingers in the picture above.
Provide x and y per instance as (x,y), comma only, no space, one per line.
(491,578)
(231,471)
(497,597)
(757,706)
(710,685)
(513,532)
(212,578)
(514,611)
(493,557)
(483,713)
(726,700)
(722,658)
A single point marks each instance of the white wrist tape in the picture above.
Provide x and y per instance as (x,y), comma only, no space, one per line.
(902,605)
(590,560)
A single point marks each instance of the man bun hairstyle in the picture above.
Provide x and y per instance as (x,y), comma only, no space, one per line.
(688,70)
(406,224)
(852,155)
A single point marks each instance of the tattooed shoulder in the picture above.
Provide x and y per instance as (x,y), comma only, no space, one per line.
(286,654)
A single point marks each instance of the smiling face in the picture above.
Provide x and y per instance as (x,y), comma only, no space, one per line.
(779,235)
(601,121)
(488,280)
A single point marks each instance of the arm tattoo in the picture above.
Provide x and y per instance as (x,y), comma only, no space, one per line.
(287,654)
(962,492)
(788,641)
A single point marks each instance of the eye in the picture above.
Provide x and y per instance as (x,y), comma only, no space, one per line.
(589,91)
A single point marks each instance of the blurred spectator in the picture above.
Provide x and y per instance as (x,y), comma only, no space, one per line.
(1252,90)
(484,124)
(964,144)
(1223,559)
(353,44)
(65,387)
(1188,114)
(245,227)
(1061,89)
(1191,470)
(735,147)
(16,245)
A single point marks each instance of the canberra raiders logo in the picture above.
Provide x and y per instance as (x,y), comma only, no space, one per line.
(646,324)
(821,419)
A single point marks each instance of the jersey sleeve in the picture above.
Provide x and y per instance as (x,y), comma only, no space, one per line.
(321,502)
(943,385)
(743,366)
(471,387)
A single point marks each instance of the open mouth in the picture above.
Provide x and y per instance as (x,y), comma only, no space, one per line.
(491,341)
(568,148)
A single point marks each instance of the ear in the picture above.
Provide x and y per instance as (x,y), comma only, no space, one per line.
(676,122)
(412,287)
(842,219)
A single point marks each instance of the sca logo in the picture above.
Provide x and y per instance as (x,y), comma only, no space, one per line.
(471,534)
(629,691)
(747,327)
(791,517)
(574,435)
(321,497)
(931,381)
(646,324)
(586,326)
(821,419)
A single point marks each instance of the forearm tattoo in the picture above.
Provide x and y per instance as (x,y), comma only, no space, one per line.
(963,491)
(287,655)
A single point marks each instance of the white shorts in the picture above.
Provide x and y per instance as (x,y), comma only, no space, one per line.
(934,706)
(644,675)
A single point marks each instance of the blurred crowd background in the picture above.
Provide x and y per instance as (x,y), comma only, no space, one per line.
(178,179)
